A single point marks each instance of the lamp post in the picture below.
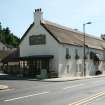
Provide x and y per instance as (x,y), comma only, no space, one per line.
(84,67)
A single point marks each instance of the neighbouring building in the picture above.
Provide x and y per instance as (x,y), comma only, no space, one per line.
(56,49)
(5,50)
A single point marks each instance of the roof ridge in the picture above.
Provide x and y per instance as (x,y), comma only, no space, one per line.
(58,25)
(70,29)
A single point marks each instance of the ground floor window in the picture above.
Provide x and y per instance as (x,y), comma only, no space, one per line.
(28,67)
(67,68)
(79,68)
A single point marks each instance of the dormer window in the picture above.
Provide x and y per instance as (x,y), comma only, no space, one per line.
(37,39)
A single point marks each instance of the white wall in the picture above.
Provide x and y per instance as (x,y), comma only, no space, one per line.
(76,66)
(59,63)
(50,48)
(63,62)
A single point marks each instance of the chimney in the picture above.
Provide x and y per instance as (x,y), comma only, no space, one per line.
(38,16)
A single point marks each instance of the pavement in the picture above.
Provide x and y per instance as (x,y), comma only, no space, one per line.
(63,79)
(3,87)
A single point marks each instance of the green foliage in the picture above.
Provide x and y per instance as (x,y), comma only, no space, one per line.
(7,37)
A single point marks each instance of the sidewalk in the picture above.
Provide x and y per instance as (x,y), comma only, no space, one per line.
(63,79)
(2,87)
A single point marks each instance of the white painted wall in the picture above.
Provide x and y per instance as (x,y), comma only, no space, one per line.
(63,62)
(50,48)
(59,63)
(76,66)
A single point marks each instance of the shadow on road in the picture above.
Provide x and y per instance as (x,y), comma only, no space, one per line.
(30,78)
(14,77)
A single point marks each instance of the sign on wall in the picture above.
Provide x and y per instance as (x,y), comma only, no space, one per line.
(37,39)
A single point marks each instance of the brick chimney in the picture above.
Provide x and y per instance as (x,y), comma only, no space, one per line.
(38,16)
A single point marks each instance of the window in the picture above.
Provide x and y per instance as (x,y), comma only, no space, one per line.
(76,54)
(67,54)
(79,67)
(67,51)
(67,68)
(37,39)
(3,48)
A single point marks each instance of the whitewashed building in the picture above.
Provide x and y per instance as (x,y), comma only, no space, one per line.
(58,50)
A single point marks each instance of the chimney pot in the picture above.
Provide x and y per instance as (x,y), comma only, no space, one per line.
(36,10)
(38,16)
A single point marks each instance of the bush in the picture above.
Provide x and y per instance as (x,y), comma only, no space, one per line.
(98,72)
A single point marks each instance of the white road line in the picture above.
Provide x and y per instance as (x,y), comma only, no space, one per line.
(17,98)
(68,87)
(87,100)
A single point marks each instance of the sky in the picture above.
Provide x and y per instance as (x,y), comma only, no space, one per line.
(18,14)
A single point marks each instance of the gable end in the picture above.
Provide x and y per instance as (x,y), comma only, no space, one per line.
(26,33)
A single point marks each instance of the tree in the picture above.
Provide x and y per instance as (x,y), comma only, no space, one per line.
(7,37)
(0,30)
(0,27)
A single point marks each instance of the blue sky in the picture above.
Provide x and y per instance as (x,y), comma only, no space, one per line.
(18,14)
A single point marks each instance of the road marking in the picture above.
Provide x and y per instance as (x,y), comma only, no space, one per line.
(68,87)
(88,99)
(17,98)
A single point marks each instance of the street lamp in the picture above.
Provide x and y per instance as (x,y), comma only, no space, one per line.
(84,68)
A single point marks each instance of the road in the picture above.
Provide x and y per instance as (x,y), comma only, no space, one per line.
(30,92)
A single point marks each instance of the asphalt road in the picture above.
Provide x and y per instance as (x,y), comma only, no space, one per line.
(78,92)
